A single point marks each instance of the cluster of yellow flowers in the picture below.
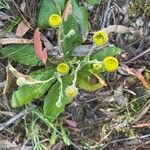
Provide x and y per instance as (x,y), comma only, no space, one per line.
(100,38)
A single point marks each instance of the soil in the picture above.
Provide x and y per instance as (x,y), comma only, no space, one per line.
(102,119)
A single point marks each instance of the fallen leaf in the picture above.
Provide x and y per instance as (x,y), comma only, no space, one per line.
(71,123)
(41,54)
(22,29)
(135,73)
(29,80)
(118,29)
(99,79)
(6,41)
(67,11)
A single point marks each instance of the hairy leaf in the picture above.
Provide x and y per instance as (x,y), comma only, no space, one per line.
(108,51)
(24,54)
(27,93)
(47,8)
(89,81)
(50,108)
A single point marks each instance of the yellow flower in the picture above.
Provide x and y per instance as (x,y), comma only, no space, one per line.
(71,91)
(63,69)
(55,20)
(97,66)
(100,38)
(110,64)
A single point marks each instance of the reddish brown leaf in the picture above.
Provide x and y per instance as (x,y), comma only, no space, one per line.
(71,123)
(135,73)
(41,54)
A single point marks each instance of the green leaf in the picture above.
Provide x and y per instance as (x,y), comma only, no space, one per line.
(24,54)
(47,8)
(80,15)
(53,137)
(93,2)
(27,93)
(84,80)
(50,108)
(108,51)
(78,22)
(65,136)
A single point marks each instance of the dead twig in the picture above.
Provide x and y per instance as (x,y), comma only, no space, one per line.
(13,119)
(106,14)
(139,55)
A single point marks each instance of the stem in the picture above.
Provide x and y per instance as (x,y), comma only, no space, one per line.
(59,103)
(75,74)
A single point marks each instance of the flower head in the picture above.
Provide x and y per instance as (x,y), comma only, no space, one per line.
(110,64)
(97,66)
(63,69)
(100,38)
(71,91)
(55,20)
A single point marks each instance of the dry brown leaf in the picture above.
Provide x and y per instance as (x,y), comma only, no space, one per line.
(22,29)
(67,11)
(135,73)
(9,81)
(28,79)
(6,41)
(118,29)
(99,79)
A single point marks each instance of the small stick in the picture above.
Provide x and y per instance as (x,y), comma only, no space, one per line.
(13,119)
(139,55)
(106,14)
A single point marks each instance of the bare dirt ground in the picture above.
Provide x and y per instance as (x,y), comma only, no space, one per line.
(116,117)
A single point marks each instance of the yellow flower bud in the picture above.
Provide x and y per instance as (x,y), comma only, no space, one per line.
(97,66)
(110,64)
(55,20)
(100,38)
(71,91)
(63,69)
